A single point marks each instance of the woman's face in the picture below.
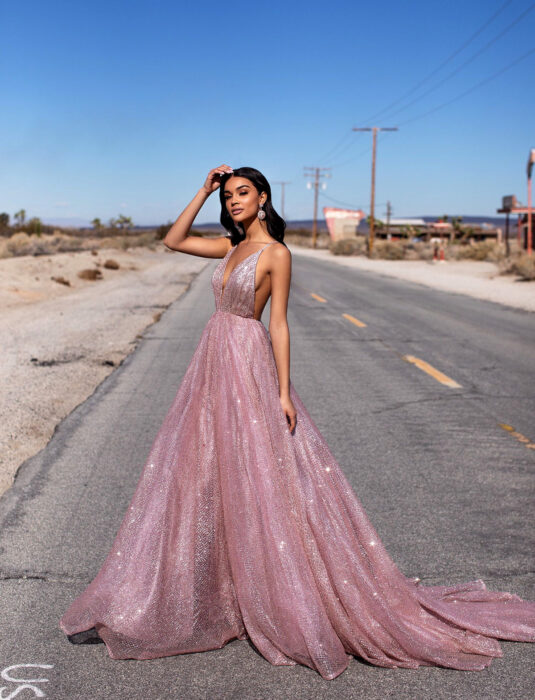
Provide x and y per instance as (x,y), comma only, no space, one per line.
(241,198)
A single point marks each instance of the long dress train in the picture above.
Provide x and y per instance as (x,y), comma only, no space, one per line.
(240,529)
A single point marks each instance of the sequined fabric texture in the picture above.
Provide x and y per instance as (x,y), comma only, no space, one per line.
(239,528)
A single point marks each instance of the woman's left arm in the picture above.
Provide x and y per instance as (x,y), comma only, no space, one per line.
(281,275)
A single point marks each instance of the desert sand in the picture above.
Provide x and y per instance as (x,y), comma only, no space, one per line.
(60,342)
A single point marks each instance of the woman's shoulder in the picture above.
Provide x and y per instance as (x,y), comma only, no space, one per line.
(281,248)
(279,253)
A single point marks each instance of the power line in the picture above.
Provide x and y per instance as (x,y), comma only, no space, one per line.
(345,204)
(341,142)
(445,104)
(474,87)
(463,65)
(342,150)
(352,160)
(444,63)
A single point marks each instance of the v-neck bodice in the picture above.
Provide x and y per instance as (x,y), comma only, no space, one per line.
(238,294)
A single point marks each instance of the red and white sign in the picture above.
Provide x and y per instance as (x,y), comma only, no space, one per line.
(333,215)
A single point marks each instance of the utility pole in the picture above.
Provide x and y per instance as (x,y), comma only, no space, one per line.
(282,195)
(388,215)
(374,130)
(316,173)
(531,161)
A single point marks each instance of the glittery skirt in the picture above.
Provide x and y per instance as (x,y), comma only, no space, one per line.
(239,529)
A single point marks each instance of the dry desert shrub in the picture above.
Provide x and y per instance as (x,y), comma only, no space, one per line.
(389,250)
(481,250)
(61,280)
(348,246)
(525,266)
(111,265)
(143,239)
(520,264)
(22,243)
(131,241)
(90,274)
(384,249)
(303,237)
(419,250)
(67,244)
(110,242)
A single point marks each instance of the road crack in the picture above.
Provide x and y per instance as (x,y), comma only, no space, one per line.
(48,576)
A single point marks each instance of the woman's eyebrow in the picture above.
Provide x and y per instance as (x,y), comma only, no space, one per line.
(238,188)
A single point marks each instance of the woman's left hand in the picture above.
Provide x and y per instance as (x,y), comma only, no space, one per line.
(289,411)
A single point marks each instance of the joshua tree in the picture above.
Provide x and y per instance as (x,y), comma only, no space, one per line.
(20,217)
(4,220)
(377,222)
(96,224)
(457,229)
(125,222)
(34,225)
(122,222)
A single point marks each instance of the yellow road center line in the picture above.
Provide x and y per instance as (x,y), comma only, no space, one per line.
(354,320)
(435,373)
(521,438)
(318,298)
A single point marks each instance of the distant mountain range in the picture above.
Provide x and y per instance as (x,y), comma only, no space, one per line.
(77,222)
(66,222)
(497,221)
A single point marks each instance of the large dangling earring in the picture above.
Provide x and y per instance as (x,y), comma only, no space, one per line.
(261,213)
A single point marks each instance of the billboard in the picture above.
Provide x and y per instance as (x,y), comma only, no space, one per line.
(342,223)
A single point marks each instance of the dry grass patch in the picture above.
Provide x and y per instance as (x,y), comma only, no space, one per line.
(22,243)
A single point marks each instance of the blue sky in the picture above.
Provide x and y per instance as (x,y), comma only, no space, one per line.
(123,107)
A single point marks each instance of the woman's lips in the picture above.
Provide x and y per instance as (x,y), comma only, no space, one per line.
(237,211)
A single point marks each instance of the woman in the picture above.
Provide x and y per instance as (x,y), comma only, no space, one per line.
(243,525)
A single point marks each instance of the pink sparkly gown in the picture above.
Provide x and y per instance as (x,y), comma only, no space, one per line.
(240,529)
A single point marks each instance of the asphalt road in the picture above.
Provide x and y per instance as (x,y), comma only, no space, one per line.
(448,487)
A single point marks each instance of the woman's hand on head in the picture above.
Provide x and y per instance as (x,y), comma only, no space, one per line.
(289,412)
(213,179)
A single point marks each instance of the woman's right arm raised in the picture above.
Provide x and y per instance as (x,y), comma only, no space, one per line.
(177,237)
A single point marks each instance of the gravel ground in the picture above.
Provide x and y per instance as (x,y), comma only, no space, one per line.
(476,279)
(60,342)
